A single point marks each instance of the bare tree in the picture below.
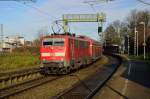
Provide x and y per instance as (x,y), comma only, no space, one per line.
(111,35)
(115,32)
(133,20)
(41,32)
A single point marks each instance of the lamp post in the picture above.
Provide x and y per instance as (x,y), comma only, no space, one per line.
(144,44)
(137,39)
(128,37)
(128,45)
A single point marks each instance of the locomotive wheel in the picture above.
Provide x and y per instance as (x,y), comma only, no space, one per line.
(42,72)
(54,70)
(64,71)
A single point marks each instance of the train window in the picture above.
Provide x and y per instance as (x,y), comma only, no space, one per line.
(53,42)
(80,44)
(47,43)
(58,43)
(83,44)
(86,45)
(76,44)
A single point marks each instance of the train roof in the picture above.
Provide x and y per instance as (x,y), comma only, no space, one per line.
(81,37)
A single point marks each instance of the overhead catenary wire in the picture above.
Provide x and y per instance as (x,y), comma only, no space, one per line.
(20,0)
(144,2)
(50,17)
(47,15)
(41,11)
(33,7)
(25,3)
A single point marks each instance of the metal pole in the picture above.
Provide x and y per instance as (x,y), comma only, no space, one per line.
(123,46)
(1,36)
(135,41)
(144,44)
(101,33)
(65,26)
(144,40)
(120,45)
(137,53)
(128,46)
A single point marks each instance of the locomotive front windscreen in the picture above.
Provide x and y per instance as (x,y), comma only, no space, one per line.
(53,42)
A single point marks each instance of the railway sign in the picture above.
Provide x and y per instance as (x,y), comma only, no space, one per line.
(98,17)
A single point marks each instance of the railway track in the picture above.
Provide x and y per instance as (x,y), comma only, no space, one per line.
(12,90)
(12,78)
(87,88)
(31,78)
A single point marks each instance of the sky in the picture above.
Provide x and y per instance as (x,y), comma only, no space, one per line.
(28,19)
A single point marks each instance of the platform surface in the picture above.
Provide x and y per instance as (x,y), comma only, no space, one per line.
(131,81)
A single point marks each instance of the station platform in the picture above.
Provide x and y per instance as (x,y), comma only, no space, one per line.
(131,81)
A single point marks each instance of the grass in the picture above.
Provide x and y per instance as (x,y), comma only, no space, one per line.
(18,60)
(141,57)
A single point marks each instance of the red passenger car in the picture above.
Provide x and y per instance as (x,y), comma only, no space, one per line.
(62,53)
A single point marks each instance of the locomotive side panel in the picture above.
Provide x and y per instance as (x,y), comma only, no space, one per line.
(79,52)
(96,50)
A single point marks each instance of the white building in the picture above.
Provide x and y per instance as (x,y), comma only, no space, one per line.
(12,42)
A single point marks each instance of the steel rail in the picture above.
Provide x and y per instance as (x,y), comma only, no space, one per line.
(100,85)
(11,78)
(6,92)
(88,88)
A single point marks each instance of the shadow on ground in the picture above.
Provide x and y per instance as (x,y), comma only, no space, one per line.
(138,72)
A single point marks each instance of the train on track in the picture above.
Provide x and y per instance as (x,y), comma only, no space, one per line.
(111,48)
(62,53)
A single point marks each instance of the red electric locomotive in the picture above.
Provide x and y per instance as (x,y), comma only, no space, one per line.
(62,53)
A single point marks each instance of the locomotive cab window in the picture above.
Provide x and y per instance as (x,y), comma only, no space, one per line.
(58,43)
(53,42)
(47,43)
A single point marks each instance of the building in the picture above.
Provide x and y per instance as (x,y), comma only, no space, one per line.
(11,42)
(28,43)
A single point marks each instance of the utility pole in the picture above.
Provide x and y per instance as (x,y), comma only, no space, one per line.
(1,37)
(137,52)
(135,41)
(128,45)
(144,44)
